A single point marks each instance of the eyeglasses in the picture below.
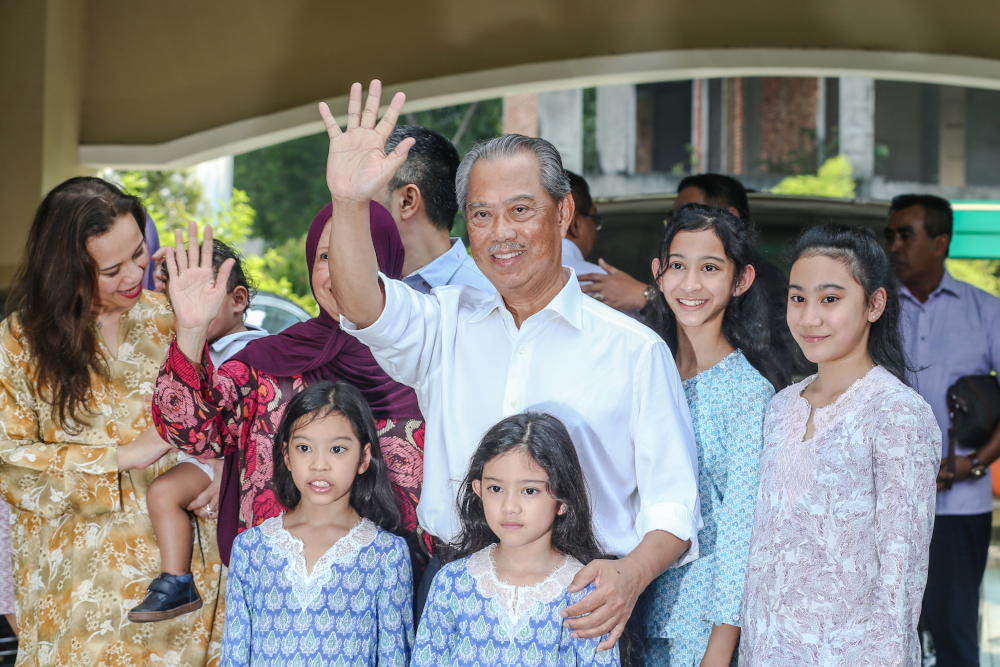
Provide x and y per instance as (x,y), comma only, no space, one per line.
(598,221)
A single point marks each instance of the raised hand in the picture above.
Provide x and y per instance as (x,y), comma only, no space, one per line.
(196,291)
(357,167)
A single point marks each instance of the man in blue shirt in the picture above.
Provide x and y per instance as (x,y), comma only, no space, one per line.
(950,329)
(421,198)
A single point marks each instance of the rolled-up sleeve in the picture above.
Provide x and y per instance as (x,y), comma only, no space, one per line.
(404,338)
(666,460)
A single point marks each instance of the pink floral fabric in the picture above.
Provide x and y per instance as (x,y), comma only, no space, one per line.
(238,408)
(838,557)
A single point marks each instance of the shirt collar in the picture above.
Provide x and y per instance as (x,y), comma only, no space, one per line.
(440,271)
(571,251)
(568,303)
(253,331)
(948,285)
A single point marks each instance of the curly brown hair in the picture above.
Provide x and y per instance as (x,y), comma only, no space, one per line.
(54,291)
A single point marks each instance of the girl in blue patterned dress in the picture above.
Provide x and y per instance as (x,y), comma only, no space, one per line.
(713,316)
(325,583)
(526,532)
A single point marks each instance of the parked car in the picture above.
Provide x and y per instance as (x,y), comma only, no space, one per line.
(274,312)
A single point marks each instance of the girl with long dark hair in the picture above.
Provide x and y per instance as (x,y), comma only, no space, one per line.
(326,581)
(838,557)
(526,530)
(79,354)
(713,314)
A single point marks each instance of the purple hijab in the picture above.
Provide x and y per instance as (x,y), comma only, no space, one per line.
(319,350)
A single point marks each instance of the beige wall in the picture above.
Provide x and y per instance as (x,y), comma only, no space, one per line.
(40,55)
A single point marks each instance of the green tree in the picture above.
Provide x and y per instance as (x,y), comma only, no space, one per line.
(983,273)
(834,179)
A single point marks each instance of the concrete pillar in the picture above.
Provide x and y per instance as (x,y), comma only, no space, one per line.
(857,124)
(560,121)
(39,112)
(616,129)
(951,155)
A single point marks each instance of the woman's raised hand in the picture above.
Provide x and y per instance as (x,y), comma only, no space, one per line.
(196,290)
(357,167)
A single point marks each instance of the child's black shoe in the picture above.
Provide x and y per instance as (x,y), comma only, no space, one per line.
(168,596)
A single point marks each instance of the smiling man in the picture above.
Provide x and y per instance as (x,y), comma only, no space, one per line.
(538,343)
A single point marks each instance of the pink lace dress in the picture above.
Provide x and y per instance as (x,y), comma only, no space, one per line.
(838,557)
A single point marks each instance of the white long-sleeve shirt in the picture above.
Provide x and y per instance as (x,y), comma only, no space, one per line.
(611,381)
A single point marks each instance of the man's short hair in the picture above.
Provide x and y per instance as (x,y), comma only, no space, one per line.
(237,277)
(938,217)
(431,166)
(554,179)
(581,193)
(720,191)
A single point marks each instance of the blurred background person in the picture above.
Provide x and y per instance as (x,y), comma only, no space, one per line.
(582,233)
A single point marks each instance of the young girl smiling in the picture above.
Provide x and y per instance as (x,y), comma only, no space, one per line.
(713,315)
(838,557)
(325,582)
(526,532)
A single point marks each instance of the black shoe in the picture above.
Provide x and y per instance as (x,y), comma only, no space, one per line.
(167,597)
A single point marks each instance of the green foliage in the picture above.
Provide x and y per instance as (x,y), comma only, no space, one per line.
(834,179)
(282,270)
(982,273)
(286,184)
(173,198)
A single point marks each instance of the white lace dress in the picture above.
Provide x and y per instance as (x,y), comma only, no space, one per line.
(473,618)
(838,557)
(355,608)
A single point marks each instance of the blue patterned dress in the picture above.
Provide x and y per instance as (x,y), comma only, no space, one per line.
(474,619)
(354,610)
(728,402)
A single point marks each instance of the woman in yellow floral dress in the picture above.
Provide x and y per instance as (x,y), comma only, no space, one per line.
(79,355)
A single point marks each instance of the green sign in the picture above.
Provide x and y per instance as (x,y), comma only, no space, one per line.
(976,230)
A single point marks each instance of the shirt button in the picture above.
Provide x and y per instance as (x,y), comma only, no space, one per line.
(513,403)
(520,350)
(923,338)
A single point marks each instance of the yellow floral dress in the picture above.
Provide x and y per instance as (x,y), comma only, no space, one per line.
(83,545)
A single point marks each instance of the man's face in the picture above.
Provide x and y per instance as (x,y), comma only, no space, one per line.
(515,227)
(911,251)
(689,195)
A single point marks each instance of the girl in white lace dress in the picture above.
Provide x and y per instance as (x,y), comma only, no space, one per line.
(526,532)
(324,583)
(838,557)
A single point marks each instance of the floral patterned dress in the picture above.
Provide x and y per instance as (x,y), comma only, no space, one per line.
(472,618)
(354,609)
(238,408)
(84,548)
(727,402)
(838,557)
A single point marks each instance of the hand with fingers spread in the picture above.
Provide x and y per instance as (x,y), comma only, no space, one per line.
(196,292)
(357,167)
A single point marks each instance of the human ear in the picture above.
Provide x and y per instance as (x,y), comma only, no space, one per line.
(477,488)
(412,199)
(240,298)
(746,280)
(366,458)
(940,244)
(284,455)
(656,268)
(567,214)
(876,305)
(562,509)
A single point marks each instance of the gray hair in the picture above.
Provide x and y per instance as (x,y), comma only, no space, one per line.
(554,179)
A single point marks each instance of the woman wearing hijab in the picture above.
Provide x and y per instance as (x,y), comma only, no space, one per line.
(233,411)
